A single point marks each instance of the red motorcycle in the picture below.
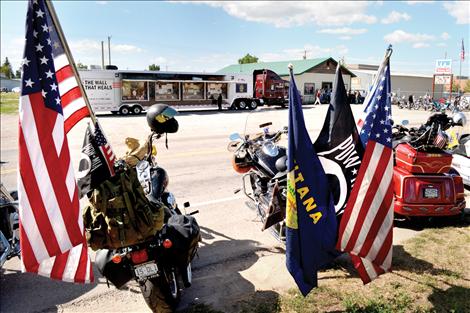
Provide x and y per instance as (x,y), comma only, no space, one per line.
(423,185)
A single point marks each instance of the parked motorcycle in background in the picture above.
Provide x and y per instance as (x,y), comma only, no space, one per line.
(263,163)
(424,184)
(9,226)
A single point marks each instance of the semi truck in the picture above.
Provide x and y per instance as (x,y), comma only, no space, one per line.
(131,92)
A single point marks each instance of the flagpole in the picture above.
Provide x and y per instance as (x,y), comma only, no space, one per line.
(60,33)
(460,68)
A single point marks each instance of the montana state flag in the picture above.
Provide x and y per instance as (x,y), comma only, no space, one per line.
(310,213)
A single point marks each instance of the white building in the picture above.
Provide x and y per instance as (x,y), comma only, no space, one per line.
(403,84)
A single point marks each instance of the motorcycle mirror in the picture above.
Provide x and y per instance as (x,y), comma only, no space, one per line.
(391,122)
(233,146)
(265,125)
(235,136)
(405,122)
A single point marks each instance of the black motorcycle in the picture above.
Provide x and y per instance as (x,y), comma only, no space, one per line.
(162,265)
(263,164)
(9,225)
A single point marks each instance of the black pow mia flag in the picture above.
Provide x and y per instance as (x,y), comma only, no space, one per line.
(339,146)
(93,168)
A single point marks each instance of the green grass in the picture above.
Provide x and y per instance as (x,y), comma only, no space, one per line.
(431,273)
(9,102)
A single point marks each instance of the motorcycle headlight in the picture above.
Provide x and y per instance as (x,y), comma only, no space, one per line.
(270,149)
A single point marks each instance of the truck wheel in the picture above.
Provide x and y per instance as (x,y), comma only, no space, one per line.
(124,110)
(253,105)
(242,105)
(136,109)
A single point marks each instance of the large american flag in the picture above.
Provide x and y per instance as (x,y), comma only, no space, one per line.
(366,228)
(51,226)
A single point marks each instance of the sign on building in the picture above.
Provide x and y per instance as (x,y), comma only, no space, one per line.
(442,79)
(443,66)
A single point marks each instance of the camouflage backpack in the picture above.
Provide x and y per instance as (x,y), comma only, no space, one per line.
(119,213)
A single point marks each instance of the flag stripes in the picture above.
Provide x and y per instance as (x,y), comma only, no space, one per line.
(51,226)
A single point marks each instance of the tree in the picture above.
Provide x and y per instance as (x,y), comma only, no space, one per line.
(248,58)
(18,73)
(6,69)
(81,66)
(467,86)
(154,67)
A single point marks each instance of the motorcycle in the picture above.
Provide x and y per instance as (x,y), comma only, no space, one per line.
(422,178)
(262,161)
(162,265)
(9,226)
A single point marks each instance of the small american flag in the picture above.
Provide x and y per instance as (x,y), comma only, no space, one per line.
(462,52)
(51,226)
(440,141)
(367,224)
(105,148)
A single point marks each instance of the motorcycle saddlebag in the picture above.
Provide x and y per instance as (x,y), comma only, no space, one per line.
(413,161)
(184,233)
(118,274)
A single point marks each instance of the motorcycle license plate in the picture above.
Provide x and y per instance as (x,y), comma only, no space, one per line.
(431,193)
(146,270)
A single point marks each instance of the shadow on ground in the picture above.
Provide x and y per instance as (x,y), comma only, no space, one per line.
(25,292)
(218,285)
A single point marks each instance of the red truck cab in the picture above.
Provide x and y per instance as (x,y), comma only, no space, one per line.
(269,87)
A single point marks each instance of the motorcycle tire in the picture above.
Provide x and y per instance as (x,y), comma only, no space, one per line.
(158,295)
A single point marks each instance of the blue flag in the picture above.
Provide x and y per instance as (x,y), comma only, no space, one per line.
(310,213)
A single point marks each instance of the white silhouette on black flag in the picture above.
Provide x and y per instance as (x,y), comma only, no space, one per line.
(338,146)
(97,162)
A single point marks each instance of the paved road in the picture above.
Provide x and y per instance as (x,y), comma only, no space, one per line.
(236,258)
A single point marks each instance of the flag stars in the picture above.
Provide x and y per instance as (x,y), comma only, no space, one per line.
(25,61)
(57,100)
(44,60)
(56,45)
(39,47)
(389,139)
(385,130)
(39,13)
(45,28)
(379,97)
(44,93)
(381,87)
(382,122)
(376,106)
(35,34)
(49,74)
(49,42)
(53,87)
(386,108)
(354,171)
(29,83)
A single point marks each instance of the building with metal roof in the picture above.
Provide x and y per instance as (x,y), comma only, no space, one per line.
(310,74)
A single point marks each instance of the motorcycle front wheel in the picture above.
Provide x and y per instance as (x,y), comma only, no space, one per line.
(160,294)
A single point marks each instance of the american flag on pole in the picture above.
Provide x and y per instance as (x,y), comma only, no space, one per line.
(51,226)
(462,52)
(366,228)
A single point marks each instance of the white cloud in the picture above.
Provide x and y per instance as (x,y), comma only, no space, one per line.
(421,45)
(125,49)
(395,17)
(399,36)
(345,37)
(418,2)
(312,51)
(13,50)
(460,10)
(296,13)
(445,36)
(343,31)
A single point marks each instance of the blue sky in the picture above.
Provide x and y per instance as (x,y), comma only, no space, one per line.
(206,36)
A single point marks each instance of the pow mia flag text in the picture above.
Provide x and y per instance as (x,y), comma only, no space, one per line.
(338,146)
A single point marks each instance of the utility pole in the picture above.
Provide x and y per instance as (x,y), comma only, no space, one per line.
(305,54)
(102,54)
(109,50)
